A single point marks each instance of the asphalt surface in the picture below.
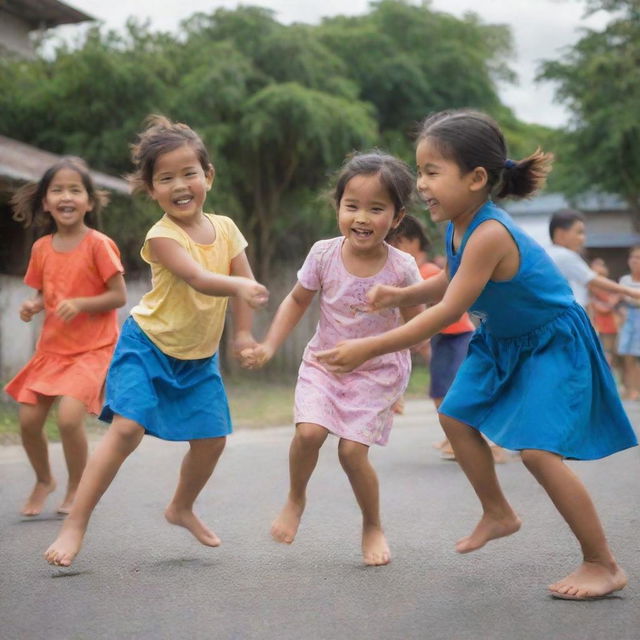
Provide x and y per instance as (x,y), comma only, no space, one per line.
(138,577)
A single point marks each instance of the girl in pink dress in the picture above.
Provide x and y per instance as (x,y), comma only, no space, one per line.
(77,276)
(371,194)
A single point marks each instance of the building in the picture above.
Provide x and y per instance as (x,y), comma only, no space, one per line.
(610,232)
(20,18)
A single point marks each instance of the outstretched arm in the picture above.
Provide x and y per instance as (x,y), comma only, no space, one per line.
(174,257)
(488,246)
(241,311)
(602,283)
(115,296)
(427,291)
(287,317)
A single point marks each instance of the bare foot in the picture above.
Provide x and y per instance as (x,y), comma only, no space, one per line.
(375,550)
(35,502)
(488,529)
(446,452)
(66,546)
(190,521)
(440,444)
(589,581)
(285,526)
(65,506)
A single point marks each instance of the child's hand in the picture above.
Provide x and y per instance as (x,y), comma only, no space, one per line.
(253,293)
(241,341)
(69,309)
(346,355)
(383,296)
(29,308)
(256,357)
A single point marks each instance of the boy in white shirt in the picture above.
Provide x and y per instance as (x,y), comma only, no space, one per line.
(567,232)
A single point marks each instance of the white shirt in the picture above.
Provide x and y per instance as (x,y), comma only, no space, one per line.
(575,270)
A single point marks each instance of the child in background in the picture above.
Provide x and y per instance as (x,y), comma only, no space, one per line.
(535,378)
(629,339)
(603,312)
(371,195)
(568,235)
(164,378)
(77,274)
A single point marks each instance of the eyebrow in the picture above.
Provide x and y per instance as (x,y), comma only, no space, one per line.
(354,200)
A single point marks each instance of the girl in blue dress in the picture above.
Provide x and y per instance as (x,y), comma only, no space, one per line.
(535,378)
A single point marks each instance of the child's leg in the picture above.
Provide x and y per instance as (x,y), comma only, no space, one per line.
(34,441)
(120,440)
(197,467)
(303,457)
(474,456)
(71,415)
(630,377)
(354,458)
(599,574)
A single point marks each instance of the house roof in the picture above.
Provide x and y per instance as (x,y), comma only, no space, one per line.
(548,203)
(40,14)
(23,162)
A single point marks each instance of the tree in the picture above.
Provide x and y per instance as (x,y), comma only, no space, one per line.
(599,80)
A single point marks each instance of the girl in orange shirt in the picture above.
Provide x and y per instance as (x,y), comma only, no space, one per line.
(77,275)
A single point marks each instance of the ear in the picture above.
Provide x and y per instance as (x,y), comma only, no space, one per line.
(397,218)
(478,179)
(210,175)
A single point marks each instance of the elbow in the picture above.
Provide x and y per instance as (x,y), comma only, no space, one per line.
(121,299)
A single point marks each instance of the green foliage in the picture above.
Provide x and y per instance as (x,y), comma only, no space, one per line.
(599,80)
(278,106)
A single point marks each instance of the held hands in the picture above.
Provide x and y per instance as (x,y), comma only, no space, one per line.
(382,296)
(256,357)
(29,308)
(346,355)
(253,293)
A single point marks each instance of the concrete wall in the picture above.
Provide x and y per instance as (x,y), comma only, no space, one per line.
(14,35)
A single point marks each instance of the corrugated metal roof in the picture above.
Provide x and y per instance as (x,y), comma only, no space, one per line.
(44,13)
(20,161)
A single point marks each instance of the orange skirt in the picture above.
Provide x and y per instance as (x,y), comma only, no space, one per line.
(80,376)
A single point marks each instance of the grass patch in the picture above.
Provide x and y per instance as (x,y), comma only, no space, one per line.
(255,401)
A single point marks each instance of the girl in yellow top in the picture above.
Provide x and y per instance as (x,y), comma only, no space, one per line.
(164,378)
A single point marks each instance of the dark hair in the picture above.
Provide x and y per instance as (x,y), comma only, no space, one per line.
(161,135)
(472,139)
(410,227)
(564,219)
(395,176)
(27,200)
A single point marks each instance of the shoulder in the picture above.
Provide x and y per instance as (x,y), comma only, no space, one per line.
(42,244)
(400,257)
(324,248)
(102,240)
(165,228)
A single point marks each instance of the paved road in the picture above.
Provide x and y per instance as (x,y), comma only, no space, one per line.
(138,577)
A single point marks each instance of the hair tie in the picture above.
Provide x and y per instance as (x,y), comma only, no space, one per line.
(509,164)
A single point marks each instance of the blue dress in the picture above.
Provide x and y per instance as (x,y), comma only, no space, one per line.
(535,376)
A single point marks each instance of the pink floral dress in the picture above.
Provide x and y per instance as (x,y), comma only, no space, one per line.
(357,405)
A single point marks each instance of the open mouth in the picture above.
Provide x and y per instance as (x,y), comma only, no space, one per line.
(361,233)
(181,202)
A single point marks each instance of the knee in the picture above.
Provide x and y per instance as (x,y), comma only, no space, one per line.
(450,426)
(310,436)
(533,459)
(68,426)
(351,454)
(126,431)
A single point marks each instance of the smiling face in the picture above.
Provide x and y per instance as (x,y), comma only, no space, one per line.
(445,190)
(67,200)
(366,213)
(180,183)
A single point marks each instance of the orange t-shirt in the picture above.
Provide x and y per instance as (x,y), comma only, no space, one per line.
(428,270)
(82,272)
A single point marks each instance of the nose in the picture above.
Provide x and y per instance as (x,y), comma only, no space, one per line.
(361,216)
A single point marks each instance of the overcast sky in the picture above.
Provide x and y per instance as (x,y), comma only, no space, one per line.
(541,28)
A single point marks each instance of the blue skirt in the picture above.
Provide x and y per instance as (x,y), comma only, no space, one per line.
(172,399)
(550,389)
